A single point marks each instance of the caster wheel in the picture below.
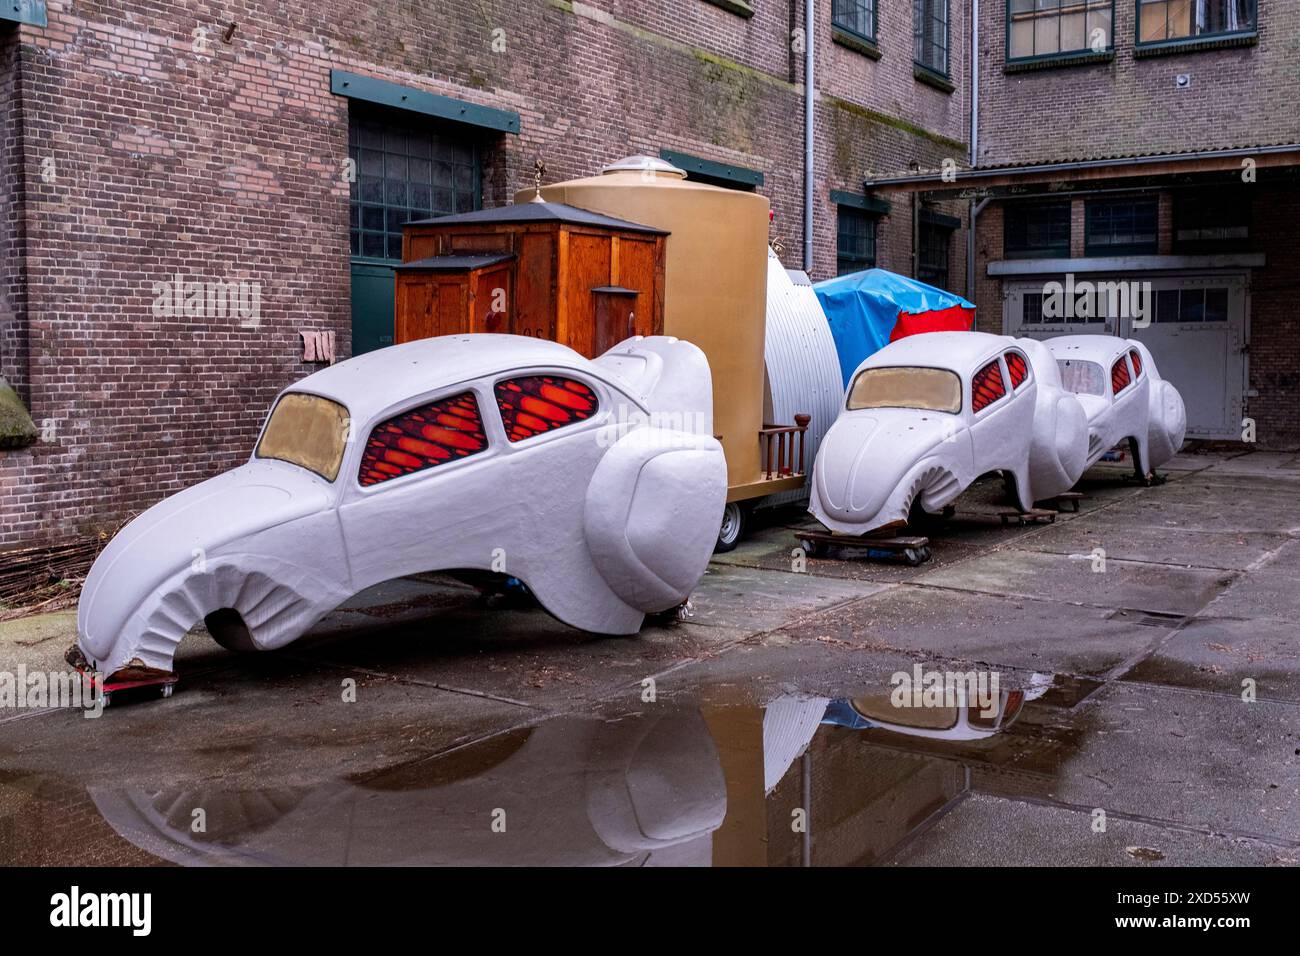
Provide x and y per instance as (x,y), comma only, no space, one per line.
(916,556)
(814,549)
(107,697)
(167,690)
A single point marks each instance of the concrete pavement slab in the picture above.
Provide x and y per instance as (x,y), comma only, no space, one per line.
(993,629)
(976,832)
(1206,761)
(1218,654)
(1123,584)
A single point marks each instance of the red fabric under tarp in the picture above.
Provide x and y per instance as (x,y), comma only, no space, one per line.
(955,319)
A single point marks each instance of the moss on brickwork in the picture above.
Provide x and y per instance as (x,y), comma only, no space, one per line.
(893,121)
(16,426)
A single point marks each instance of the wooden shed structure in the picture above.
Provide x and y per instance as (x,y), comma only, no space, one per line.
(541,269)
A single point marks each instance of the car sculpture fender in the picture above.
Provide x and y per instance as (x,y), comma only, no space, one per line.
(928,414)
(1167,416)
(598,483)
(1124,397)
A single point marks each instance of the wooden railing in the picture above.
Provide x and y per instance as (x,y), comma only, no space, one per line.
(781,448)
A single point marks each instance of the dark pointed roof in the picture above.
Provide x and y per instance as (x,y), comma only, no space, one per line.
(542,212)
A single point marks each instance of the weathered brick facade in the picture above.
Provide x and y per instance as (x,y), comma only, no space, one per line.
(1129,103)
(140,144)
(1241,95)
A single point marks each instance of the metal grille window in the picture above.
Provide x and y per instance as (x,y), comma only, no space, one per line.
(856,16)
(930,33)
(1163,20)
(1050,27)
(1121,227)
(1036,230)
(405,169)
(855,240)
(933,266)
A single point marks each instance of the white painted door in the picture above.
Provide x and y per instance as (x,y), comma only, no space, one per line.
(1197,333)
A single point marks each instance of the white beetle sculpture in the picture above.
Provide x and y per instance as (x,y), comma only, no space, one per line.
(928,414)
(1123,396)
(596,482)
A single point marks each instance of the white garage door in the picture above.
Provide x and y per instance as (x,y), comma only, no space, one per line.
(1197,335)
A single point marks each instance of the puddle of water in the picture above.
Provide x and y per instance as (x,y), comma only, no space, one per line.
(801,780)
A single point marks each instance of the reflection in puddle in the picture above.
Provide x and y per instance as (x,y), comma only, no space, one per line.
(804,780)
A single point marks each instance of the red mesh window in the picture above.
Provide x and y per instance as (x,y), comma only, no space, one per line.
(1136,358)
(536,404)
(1119,376)
(430,435)
(1017,368)
(986,386)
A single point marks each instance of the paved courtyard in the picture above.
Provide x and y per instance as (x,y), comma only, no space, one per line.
(1149,641)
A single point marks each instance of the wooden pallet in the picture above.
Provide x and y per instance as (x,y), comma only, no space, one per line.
(1032,516)
(912,549)
(1071,498)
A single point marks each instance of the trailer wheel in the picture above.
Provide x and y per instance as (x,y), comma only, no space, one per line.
(734,518)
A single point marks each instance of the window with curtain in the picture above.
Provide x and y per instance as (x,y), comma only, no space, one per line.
(406,168)
(930,33)
(1049,27)
(856,16)
(855,240)
(1161,20)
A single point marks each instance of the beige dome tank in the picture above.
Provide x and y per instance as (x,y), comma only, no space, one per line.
(715,287)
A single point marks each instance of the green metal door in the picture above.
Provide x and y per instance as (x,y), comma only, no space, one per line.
(372,306)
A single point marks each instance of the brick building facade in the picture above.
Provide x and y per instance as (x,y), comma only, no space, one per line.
(142,141)
(1163,152)
(146,141)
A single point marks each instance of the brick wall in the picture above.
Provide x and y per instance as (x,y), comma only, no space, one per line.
(1274,357)
(1272,324)
(176,152)
(1242,96)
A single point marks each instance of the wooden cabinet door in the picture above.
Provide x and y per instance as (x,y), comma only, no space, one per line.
(492,308)
(429,305)
(637,270)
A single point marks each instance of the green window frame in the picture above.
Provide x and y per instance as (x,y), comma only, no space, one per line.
(930,35)
(1058,29)
(856,17)
(855,239)
(701,170)
(1122,227)
(407,166)
(1175,22)
(1036,230)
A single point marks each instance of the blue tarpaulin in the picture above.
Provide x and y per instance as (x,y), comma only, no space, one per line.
(868,310)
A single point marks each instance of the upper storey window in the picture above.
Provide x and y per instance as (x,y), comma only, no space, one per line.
(856,16)
(1047,28)
(930,34)
(1163,21)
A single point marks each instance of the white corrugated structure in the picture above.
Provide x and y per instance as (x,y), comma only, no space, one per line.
(803,369)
